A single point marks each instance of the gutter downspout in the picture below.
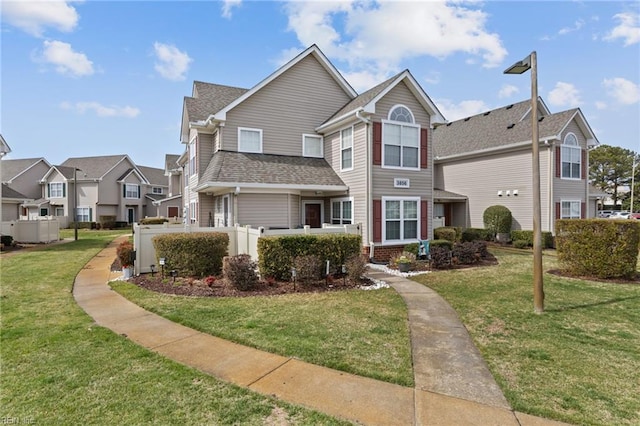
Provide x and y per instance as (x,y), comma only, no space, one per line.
(369,174)
(550,176)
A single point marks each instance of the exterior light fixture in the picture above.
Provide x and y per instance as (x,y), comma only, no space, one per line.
(153,269)
(174,274)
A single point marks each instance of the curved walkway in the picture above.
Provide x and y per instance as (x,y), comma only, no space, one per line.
(453,384)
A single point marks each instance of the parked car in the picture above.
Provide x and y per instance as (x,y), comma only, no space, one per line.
(605,213)
(634,216)
(619,215)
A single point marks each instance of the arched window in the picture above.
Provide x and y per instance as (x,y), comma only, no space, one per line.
(401,139)
(401,113)
(571,157)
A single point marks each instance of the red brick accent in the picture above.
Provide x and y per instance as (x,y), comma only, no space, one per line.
(383,253)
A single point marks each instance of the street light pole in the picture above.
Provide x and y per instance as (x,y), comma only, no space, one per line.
(531,63)
(75,204)
(633,183)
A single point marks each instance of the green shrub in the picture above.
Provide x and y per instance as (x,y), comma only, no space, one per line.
(412,248)
(125,254)
(276,253)
(240,271)
(445,233)
(598,248)
(547,237)
(465,253)
(475,234)
(196,254)
(521,244)
(440,256)
(153,221)
(480,247)
(441,243)
(6,240)
(497,219)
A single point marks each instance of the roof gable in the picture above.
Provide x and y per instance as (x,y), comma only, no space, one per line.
(12,169)
(154,176)
(97,167)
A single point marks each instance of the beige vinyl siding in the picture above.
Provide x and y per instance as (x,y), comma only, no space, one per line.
(296,102)
(481,178)
(110,189)
(27,183)
(205,151)
(206,206)
(268,210)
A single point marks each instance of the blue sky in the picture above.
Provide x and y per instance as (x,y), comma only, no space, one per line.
(87,78)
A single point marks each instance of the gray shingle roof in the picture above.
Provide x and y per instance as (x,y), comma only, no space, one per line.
(494,129)
(93,167)
(8,192)
(238,167)
(442,194)
(12,168)
(209,98)
(154,176)
(171,162)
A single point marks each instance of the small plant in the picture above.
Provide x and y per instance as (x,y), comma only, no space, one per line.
(403,261)
(210,281)
(356,267)
(240,271)
(125,254)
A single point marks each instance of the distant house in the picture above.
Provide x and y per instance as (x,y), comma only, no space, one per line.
(303,148)
(485,159)
(108,189)
(20,184)
(165,198)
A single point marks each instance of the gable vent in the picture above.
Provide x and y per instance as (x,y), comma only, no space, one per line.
(509,107)
(510,126)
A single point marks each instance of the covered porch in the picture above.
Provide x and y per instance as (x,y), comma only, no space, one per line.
(450,209)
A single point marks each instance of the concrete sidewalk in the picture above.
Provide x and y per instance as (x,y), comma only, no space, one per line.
(453,384)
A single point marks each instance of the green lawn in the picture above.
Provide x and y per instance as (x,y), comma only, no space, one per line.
(578,362)
(59,367)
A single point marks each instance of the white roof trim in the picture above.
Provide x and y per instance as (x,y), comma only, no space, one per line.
(241,185)
(316,52)
(509,147)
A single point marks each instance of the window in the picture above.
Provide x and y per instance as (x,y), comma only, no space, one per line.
(401,141)
(59,211)
(249,140)
(56,190)
(312,146)
(193,211)
(83,214)
(156,190)
(346,149)
(131,191)
(44,211)
(571,157)
(571,210)
(342,211)
(400,219)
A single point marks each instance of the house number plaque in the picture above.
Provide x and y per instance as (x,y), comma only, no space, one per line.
(401,183)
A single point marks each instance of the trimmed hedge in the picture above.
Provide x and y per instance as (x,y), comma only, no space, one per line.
(277,253)
(497,219)
(195,254)
(598,248)
(527,236)
(153,221)
(440,243)
(475,234)
(447,233)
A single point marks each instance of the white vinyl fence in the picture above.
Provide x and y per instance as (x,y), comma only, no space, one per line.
(32,231)
(242,239)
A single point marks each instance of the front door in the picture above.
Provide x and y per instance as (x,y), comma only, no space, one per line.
(131,216)
(312,215)
(225,210)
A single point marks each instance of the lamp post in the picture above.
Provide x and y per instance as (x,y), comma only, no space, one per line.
(531,63)
(75,203)
(633,183)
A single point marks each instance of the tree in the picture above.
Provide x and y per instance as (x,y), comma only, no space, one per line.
(610,169)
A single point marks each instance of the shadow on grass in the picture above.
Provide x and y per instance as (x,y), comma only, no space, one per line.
(590,305)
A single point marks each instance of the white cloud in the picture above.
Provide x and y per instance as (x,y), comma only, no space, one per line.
(576,26)
(65,59)
(453,111)
(366,35)
(34,17)
(627,29)
(601,105)
(172,63)
(228,5)
(101,110)
(623,91)
(507,90)
(564,95)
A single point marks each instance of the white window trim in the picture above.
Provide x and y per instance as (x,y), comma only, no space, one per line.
(400,123)
(240,129)
(573,147)
(302,211)
(153,190)
(342,200)
(384,220)
(193,156)
(126,191)
(353,159)
(304,145)
(413,117)
(579,209)
(61,184)
(77,213)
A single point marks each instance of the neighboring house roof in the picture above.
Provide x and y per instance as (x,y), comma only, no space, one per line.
(503,127)
(440,194)
(171,163)
(10,193)
(35,203)
(228,168)
(155,197)
(367,101)
(4,147)
(209,98)
(154,176)
(130,171)
(96,167)
(595,192)
(11,169)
